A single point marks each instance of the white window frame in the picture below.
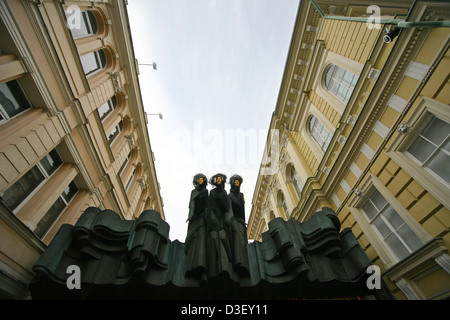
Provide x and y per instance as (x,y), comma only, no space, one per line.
(345,63)
(350,88)
(377,241)
(296,183)
(306,134)
(84,19)
(98,60)
(397,150)
(309,129)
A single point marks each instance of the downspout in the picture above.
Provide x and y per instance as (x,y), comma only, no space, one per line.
(398,22)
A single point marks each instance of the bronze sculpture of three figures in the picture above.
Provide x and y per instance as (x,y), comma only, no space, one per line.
(216,240)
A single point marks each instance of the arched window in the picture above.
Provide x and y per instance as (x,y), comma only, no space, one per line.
(340,82)
(115,132)
(296,182)
(320,134)
(108,107)
(282,203)
(93,62)
(81,23)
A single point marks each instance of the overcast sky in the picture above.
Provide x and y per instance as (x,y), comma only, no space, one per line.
(219,70)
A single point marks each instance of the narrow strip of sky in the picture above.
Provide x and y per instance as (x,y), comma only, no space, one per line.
(219,72)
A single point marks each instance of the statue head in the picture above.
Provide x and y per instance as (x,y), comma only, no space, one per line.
(200,180)
(235,182)
(218,180)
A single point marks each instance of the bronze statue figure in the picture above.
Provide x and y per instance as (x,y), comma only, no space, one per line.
(218,229)
(195,244)
(238,229)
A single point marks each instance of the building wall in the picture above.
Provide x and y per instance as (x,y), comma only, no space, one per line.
(39,53)
(399,83)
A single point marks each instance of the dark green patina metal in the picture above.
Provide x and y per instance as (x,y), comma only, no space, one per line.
(136,260)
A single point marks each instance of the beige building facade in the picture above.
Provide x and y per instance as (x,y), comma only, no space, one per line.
(362,125)
(73,130)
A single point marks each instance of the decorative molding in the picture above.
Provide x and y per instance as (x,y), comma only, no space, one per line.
(350,120)
(406,288)
(404,128)
(373,74)
(116,81)
(444,261)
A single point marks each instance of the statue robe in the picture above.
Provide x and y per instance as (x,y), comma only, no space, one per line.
(219,233)
(239,234)
(195,244)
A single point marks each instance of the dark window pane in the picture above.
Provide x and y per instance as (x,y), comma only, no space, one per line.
(50,217)
(12,99)
(437,131)
(22,188)
(51,162)
(70,192)
(441,165)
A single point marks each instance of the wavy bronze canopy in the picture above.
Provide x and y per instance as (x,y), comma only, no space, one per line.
(121,259)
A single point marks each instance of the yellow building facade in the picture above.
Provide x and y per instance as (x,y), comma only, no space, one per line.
(362,125)
(73,130)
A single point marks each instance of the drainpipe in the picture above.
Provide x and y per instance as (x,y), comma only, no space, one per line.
(400,24)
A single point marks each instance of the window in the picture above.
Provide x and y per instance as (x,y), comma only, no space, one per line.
(12,101)
(422,150)
(130,181)
(93,62)
(340,82)
(108,107)
(320,134)
(431,148)
(282,203)
(23,188)
(296,182)
(390,226)
(124,164)
(56,210)
(115,132)
(81,23)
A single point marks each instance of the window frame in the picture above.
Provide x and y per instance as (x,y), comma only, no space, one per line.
(130,181)
(56,218)
(46,178)
(333,79)
(326,141)
(119,128)
(84,18)
(296,182)
(380,247)
(418,120)
(98,59)
(6,117)
(112,104)
(387,223)
(424,164)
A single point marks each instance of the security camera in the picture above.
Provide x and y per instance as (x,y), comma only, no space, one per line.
(389,36)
